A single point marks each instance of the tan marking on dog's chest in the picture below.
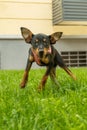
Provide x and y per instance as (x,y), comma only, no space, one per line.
(45,60)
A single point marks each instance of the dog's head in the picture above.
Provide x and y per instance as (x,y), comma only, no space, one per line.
(41,43)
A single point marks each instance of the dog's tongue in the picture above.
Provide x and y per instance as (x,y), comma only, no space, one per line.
(49,50)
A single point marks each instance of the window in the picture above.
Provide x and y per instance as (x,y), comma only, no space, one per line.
(69,11)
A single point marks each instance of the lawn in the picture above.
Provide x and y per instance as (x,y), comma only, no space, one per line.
(52,109)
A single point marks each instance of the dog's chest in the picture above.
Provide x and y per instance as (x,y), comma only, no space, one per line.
(42,61)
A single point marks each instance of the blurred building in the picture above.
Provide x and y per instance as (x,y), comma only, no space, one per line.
(45,16)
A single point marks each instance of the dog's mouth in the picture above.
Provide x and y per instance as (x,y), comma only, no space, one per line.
(41,53)
(44,52)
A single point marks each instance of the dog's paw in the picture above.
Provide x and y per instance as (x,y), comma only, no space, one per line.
(40,88)
(22,85)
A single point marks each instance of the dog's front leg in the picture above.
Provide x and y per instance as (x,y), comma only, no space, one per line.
(25,76)
(44,79)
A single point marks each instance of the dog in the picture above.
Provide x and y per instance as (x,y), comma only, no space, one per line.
(43,53)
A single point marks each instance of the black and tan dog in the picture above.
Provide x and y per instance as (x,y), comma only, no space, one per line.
(44,54)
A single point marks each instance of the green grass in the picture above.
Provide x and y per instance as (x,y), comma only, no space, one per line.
(52,109)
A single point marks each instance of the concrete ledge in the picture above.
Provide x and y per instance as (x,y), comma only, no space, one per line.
(74,37)
(10,37)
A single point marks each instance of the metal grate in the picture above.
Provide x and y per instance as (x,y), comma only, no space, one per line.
(57,11)
(75,58)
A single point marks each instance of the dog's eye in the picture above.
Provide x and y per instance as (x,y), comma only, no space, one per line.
(36,42)
(45,42)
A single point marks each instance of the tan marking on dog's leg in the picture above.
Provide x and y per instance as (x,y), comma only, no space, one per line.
(43,82)
(24,80)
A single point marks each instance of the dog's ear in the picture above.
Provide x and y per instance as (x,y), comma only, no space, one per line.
(55,37)
(27,34)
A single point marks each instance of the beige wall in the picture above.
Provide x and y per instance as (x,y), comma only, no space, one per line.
(33,14)
(71,30)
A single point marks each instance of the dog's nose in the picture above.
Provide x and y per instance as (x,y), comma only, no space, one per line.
(41,53)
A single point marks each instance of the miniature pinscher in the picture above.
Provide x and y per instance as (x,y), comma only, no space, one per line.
(44,54)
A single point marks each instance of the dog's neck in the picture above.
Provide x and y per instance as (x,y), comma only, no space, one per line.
(36,58)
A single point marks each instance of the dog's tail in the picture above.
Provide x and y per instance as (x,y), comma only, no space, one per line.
(69,72)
